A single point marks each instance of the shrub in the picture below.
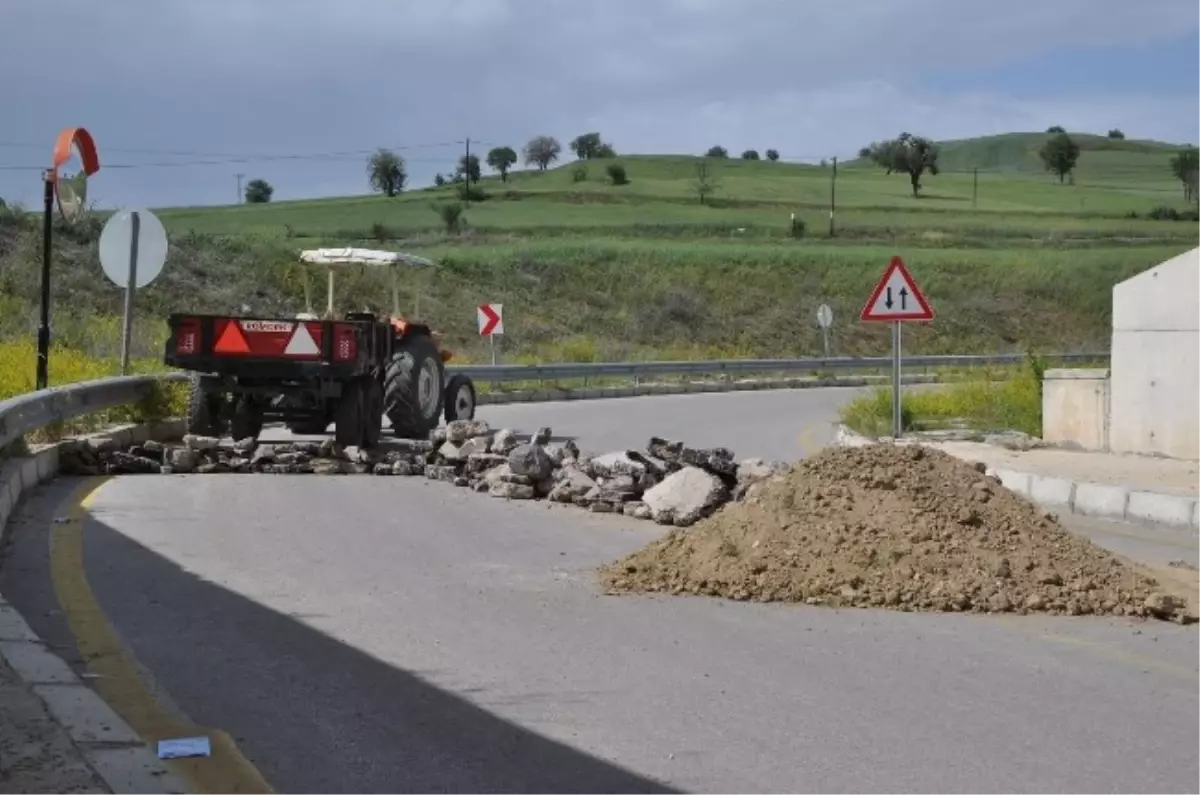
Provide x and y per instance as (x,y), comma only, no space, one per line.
(579,173)
(1163,213)
(616,174)
(798,227)
(451,214)
(472,193)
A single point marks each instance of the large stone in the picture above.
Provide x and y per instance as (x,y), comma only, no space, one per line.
(330,466)
(182,459)
(531,460)
(482,462)
(503,441)
(459,431)
(197,442)
(451,452)
(685,496)
(616,463)
(473,446)
(542,436)
(512,491)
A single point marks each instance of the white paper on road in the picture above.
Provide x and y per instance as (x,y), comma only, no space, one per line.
(184,746)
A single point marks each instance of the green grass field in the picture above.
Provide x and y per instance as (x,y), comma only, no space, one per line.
(1011,259)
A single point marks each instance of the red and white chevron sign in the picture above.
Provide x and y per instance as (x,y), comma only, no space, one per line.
(491,319)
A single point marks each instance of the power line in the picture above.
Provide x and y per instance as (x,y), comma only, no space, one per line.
(231,159)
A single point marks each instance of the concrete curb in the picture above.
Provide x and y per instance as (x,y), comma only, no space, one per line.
(549,394)
(1101,500)
(109,746)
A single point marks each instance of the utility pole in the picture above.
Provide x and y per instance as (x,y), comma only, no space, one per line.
(974,186)
(240,197)
(832,197)
(467,162)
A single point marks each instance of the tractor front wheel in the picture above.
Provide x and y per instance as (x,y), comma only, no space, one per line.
(412,387)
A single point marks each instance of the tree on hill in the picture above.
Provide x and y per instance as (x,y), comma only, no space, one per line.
(772,155)
(705,183)
(589,147)
(1060,154)
(1185,166)
(717,151)
(468,166)
(387,172)
(501,159)
(1116,135)
(905,154)
(1055,129)
(750,154)
(258,191)
(542,150)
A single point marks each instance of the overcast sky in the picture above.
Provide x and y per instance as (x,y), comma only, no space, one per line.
(180,81)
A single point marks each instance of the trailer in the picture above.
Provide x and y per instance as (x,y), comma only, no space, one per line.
(309,371)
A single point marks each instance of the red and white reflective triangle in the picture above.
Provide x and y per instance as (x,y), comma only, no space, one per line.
(302,343)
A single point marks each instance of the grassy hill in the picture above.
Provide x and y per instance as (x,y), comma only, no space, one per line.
(589,270)
(1103,158)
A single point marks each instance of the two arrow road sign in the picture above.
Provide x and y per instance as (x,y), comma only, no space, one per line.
(896,297)
(491,319)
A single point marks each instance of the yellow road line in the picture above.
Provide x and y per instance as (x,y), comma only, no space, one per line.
(118,680)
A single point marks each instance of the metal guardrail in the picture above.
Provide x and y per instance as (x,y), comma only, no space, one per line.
(35,410)
(26,413)
(551,372)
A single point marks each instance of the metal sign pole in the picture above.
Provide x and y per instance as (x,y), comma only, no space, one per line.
(130,288)
(492,340)
(825,340)
(897,430)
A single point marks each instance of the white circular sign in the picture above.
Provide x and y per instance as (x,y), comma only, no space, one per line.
(115,247)
(824,316)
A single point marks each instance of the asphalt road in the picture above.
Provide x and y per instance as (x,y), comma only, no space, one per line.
(391,634)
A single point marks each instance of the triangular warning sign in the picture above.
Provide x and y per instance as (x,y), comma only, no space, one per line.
(301,343)
(231,340)
(896,297)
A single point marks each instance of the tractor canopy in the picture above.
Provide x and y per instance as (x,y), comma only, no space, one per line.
(335,258)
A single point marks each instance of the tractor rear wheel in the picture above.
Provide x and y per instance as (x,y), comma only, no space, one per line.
(412,387)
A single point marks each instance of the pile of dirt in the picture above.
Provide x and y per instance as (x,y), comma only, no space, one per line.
(902,527)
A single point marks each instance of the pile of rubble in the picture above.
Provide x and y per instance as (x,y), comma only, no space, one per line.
(902,527)
(669,482)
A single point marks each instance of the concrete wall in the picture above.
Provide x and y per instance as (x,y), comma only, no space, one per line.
(1075,408)
(1155,391)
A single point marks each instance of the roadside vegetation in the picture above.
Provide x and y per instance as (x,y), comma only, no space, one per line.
(987,399)
(1016,239)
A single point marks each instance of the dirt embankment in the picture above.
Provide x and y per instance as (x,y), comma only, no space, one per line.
(907,528)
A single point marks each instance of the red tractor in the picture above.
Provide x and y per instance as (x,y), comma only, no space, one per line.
(310,371)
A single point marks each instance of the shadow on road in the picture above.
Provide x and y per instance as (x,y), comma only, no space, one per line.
(313,714)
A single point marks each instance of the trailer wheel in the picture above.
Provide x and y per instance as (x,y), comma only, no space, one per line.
(348,416)
(372,412)
(413,387)
(203,409)
(309,427)
(460,398)
(247,421)
(358,419)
